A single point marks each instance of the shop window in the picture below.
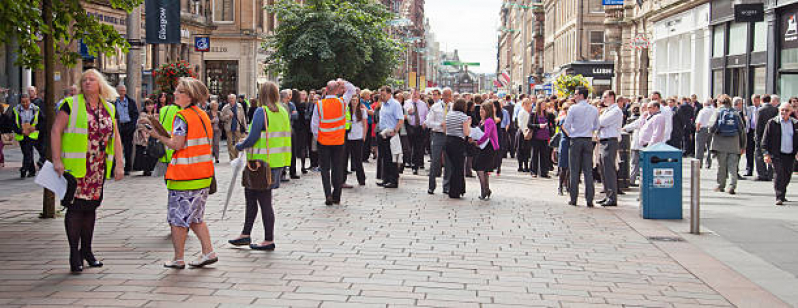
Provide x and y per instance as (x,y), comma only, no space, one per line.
(717,83)
(760,77)
(760,36)
(597,45)
(222,77)
(718,41)
(738,45)
(224,10)
(788,85)
(789,58)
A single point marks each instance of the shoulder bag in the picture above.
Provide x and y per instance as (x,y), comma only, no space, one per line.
(212,189)
(258,174)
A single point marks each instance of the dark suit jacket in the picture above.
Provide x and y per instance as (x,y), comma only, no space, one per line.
(764,115)
(132,110)
(686,116)
(771,140)
(550,119)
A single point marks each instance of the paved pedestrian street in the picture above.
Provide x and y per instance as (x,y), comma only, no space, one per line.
(379,248)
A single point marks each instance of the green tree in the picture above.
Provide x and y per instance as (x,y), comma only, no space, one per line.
(58,23)
(327,39)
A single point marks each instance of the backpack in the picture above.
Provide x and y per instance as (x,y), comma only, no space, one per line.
(728,123)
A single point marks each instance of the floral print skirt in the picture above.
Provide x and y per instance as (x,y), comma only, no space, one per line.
(186,207)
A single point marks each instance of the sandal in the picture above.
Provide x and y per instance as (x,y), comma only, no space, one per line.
(205,260)
(175,264)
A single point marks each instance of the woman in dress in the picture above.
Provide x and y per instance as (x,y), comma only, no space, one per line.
(270,142)
(485,160)
(141,138)
(190,172)
(458,127)
(85,142)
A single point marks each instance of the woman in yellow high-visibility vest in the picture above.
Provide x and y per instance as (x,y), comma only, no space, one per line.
(85,142)
(270,141)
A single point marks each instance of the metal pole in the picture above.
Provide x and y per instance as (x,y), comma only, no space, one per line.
(695,196)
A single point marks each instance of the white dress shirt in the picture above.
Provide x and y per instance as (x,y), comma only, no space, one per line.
(610,123)
(667,113)
(435,117)
(702,119)
(582,120)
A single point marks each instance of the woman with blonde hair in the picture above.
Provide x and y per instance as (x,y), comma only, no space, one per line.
(85,143)
(190,173)
(270,142)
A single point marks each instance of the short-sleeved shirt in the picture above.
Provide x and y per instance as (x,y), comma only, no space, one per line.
(454,123)
(390,114)
(90,187)
(356,132)
(179,127)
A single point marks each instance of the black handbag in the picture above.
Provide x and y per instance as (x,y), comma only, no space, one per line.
(155,149)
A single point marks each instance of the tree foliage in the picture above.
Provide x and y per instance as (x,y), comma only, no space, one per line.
(327,39)
(23,23)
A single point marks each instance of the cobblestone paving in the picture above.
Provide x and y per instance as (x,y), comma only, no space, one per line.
(380,248)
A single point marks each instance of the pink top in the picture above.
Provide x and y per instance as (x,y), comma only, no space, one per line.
(490,132)
(653,130)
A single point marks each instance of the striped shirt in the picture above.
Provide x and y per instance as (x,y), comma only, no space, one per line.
(454,123)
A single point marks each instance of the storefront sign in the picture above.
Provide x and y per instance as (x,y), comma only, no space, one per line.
(595,70)
(202,44)
(749,12)
(163,21)
(789,28)
(612,2)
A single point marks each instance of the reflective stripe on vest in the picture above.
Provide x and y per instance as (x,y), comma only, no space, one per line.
(167,118)
(75,138)
(192,166)
(332,123)
(274,147)
(33,135)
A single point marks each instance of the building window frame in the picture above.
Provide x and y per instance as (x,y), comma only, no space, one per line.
(595,9)
(595,44)
(220,21)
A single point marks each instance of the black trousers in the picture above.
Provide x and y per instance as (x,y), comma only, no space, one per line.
(354,153)
(749,152)
(126,132)
(390,173)
(417,146)
(539,164)
(300,146)
(455,151)
(314,156)
(331,163)
(27,145)
(264,199)
(782,167)
(367,143)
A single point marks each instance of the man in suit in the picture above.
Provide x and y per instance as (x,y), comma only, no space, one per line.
(769,110)
(127,115)
(686,115)
(779,145)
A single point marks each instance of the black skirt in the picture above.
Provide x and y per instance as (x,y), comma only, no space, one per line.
(485,160)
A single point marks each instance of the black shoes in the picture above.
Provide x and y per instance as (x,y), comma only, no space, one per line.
(381,184)
(391,185)
(572,203)
(269,247)
(295,177)
(328,202)
(91,260)
(240,241)
(431,192)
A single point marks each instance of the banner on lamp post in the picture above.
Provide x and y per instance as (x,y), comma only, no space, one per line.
(163,21)
(411,80)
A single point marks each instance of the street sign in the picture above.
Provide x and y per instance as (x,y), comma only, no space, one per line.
(202,44)
(612,2)
(639,42)
(749,12)
(458,63)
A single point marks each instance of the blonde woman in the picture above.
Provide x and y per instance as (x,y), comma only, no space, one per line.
(85,142)
(190,172)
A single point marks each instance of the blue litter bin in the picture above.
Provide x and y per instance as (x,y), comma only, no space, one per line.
(661,184)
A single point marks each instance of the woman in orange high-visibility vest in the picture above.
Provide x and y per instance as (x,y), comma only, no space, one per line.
(190,172)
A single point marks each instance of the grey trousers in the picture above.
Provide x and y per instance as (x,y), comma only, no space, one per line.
(609,153)
(728,163)
(437,141)
(702,141)
(580,160)
(635,166)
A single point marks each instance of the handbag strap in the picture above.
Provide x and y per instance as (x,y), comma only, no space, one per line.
(203,125)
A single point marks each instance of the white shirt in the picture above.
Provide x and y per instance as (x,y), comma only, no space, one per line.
(435,117)
(702,119)
(610,123)
(523,120)
(667,113)
(356,131)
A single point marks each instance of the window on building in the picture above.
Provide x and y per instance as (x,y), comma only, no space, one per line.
(717,83)
(596,6)
(596,45)
(223,10)
(271,21)
(760,36)
(738,45)
(760,77)
(718,41)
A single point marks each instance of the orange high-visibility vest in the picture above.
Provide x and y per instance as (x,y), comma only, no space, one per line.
(332,121)
(195,160)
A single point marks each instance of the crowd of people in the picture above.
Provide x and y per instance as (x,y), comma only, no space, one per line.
(100,133)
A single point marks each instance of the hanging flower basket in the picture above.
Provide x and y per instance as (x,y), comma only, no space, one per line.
(167,75)
(566,84)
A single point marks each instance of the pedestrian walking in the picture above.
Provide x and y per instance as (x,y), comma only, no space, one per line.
(328,124)
(190,173)
(542,125)
(703,139)
(391,120)
(484,162)
(355,139)
(436,122)
(127,116)
(581,122)
(216,123)
(780,145)
(270,142)
(458,128)
(235,120)
(750,129)
(610,123)
(728,142)
(143,161)
(298,131)
(28,122)
(85,143)
(769,110)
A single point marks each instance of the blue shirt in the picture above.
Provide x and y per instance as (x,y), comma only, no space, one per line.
(582,120)
(258,121)
(786,136)
(390,114)
(505,118)
(121,109)
(234,109)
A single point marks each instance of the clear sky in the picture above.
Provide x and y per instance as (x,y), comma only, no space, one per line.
(468,26)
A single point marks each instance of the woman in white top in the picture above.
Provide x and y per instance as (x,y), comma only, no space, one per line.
(524,145)
(355,138)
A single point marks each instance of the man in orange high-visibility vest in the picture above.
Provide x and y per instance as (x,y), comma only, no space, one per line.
(328,124)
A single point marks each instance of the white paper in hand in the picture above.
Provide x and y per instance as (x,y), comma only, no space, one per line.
(51,180)
(476,134)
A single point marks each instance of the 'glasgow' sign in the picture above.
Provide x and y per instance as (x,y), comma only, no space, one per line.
(749,12)
(163,21)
